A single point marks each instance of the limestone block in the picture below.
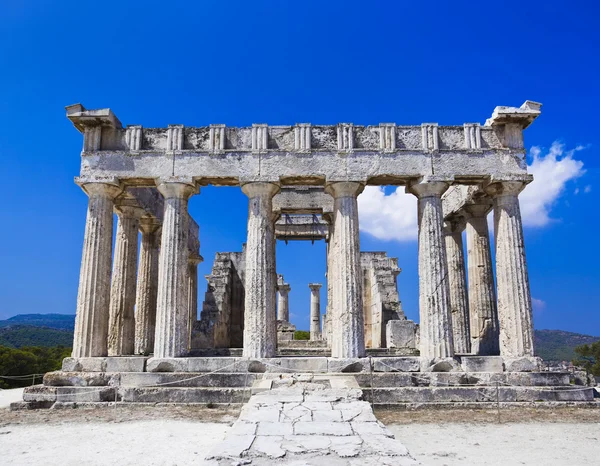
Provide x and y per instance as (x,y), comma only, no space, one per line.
(322,428)
(167,365)
(524,364)
(440,365)
(289,365)
(482,363)
(84,365)
(208,364)
(401,364)
(401,334)
(349,365)
(80,379)
(125,364)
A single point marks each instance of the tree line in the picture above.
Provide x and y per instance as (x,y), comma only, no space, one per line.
(29,360)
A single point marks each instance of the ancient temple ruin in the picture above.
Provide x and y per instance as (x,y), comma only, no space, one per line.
(302,183)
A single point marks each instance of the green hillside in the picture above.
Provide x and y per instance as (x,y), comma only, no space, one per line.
(58,321)
(22,335)
(558,345)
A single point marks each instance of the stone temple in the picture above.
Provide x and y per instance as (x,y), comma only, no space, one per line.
(138,337)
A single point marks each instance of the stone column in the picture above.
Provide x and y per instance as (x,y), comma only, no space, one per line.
(283,304)
(345,273)
(459,304)
(147,284)
(434,287)
(172,313)
(121,322)
(482,296)
(260,319)
(514,296)
(91,322)
(193,261)
(315,311)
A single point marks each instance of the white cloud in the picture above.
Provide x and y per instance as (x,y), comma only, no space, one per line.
(538,305)
(551,172)
(394,216)
(388,217)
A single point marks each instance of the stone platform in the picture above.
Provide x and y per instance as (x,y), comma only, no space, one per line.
(231,380)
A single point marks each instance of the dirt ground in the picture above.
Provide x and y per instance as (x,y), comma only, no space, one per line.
(167,435)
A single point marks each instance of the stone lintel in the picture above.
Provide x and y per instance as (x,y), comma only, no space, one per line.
(81,117)
(523,115)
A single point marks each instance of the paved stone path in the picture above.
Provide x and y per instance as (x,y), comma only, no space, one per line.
(309,423)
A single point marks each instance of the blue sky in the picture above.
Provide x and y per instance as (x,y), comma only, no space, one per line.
(281,62)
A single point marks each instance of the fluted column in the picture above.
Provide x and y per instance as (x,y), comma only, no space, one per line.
(459,304)
(434,287)
(283,303)
(91,322)
(260,319)
(193,262)
(147,287)
(172,313)
(315,311)
(121,322)
(345,273)
(514,296)
(482,296)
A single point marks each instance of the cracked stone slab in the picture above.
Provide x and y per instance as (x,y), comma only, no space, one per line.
(322,428)
(274,428)
(269,446)
(233,446)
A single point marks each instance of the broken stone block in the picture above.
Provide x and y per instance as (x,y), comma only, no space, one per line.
(401,334)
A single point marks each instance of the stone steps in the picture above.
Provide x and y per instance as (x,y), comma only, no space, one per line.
(398,395)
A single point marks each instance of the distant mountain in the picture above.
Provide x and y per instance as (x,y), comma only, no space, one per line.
(18,336)
(558,345)
(57,321)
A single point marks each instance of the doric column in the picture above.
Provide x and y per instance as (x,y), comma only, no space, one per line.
(91,322)
(121,322)
(434,287)
(482,296)
(260,320)
(283,304)
(459,304)
(345,273)
(315,311)
(514,296)
(172,313)
(193,262)
(147,287)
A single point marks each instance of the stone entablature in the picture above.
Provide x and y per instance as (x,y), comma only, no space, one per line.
(369,154)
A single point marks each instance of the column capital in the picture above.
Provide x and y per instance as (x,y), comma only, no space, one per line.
(454,224)
(429,186)
(109,189)
(344,188)
(285,287)
(149,225)
(315,286)
(505,188)
(259,188)
(176,187)
(195,259)
(130,211)
(478,210)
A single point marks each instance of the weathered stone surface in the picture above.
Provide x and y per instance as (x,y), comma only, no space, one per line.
(172,313)
(349,365)
(167,365)
(514,296)
(84,365)
(482,363)
(459,304)
(147,287)
(93,298)
(260,327)
(401,334)
(440,365)
(344,271)
(523,364)
(436,338)
(482,296)
(126,364)
(402,364)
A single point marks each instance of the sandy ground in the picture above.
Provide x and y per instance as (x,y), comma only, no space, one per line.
(182,436)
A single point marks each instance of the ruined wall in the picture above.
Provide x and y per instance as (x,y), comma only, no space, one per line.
(381,302)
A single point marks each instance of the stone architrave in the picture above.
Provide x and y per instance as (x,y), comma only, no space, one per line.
(260,319)
(147,287)
(93,298)
(283,305)
(315,311)
(172,313)
(345,273)
(436,339)
(482,296)
(121,322)
(514,296)
(459,304)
